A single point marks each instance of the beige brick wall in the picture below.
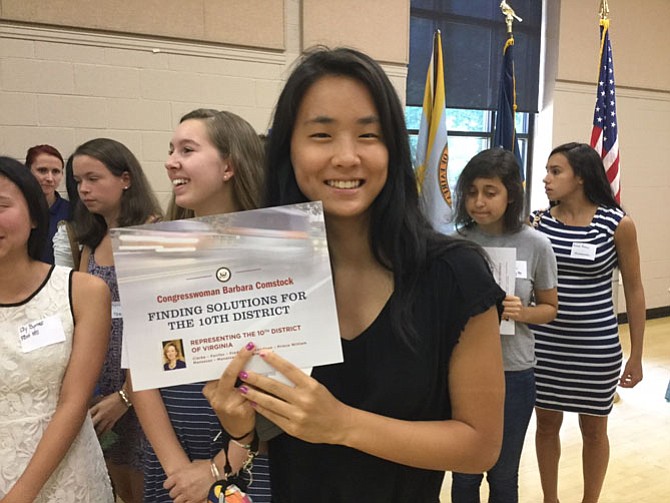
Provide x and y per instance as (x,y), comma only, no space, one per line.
(642,70)
(219,21)
(63,86)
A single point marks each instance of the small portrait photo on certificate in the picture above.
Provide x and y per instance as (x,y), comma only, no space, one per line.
(173,355)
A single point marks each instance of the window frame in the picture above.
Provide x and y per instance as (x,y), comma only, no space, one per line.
(525,137)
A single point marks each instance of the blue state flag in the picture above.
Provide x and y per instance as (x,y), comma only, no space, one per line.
(505,130)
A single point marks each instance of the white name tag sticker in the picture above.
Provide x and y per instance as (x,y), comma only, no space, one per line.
(584,251)
(116,310)
(521,269)
(38,334)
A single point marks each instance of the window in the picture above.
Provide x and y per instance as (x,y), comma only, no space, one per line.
(470,132)
(473,35)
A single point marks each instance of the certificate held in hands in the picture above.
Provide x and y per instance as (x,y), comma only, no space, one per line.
(194,292)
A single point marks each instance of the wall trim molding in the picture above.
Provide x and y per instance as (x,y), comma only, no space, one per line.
(11,30)
(656,312)
(621,92)
(139,43)
(399,71)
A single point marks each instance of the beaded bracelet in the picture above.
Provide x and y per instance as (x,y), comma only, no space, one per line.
(124,397)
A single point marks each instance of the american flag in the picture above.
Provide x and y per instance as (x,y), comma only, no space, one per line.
(604,136)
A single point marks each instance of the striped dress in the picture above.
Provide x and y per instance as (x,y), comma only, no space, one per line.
(196,426)
(579,353)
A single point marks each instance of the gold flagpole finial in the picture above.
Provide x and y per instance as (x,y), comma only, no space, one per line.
(509,14)
(604,10)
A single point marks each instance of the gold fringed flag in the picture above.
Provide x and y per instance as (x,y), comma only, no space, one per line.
(432,155)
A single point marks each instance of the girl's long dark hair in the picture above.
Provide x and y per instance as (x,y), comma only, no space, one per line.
(401,238)
(138,202)
(587,164)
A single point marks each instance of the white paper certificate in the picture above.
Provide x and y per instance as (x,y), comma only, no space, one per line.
(193,292)
(503,261)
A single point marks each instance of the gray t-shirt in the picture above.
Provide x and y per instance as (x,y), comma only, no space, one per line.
(536,270)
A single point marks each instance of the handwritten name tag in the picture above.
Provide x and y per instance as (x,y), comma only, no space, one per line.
(584,251)
(521,269)
(38,334)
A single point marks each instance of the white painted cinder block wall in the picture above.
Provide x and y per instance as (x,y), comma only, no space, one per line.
(65,87)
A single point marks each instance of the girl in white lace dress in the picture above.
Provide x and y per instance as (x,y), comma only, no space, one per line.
(54,326)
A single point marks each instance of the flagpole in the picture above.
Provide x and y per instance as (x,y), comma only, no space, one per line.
(505,131)
(604,10)
(510,15)
(437,49)
(604,22)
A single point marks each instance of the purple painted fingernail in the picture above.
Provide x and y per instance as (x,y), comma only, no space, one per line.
(250,346)
(262,354)
(243,389)
(243,375)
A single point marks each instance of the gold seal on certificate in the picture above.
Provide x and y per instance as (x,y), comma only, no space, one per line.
(216,283)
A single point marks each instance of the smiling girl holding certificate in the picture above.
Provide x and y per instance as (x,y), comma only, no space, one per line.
(421,389)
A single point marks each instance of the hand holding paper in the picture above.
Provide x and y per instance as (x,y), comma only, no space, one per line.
(306,410)
(234,411)
(512,308)
(503,267)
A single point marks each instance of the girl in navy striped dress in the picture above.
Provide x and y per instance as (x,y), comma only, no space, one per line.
(579,354)
(215,166)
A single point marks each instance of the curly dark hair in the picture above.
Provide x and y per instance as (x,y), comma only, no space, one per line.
(492,163)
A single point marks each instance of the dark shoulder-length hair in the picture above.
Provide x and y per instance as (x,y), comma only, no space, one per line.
(138,202)
(492,163)
(38,209)
(400,236)
(587,164)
